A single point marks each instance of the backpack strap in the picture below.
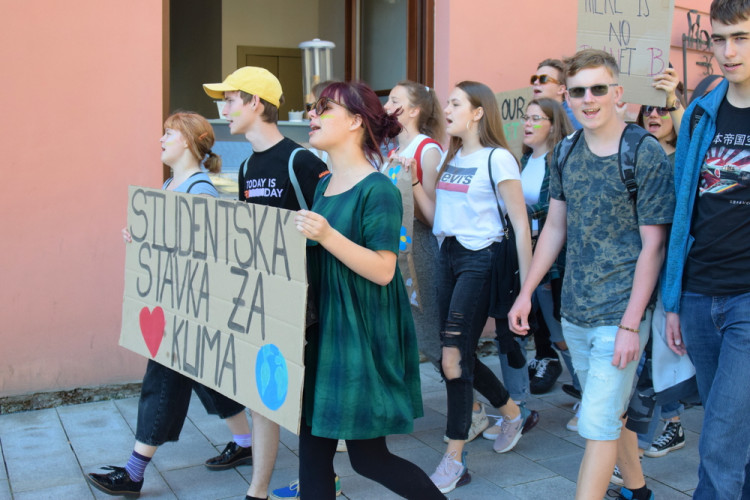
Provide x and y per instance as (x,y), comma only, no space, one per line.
(243,167)
(563,149)
(418,154)
(294,181)
(494,190)
(199,181)
(695,118)
(630,141)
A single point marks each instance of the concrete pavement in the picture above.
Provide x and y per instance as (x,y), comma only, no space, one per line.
(47,452)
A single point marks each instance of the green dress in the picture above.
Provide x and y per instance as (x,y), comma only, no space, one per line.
(362,363)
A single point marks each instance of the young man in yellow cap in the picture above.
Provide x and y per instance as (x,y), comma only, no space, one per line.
(253,96)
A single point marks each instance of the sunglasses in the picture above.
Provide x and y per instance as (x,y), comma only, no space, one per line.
(533,118)
(647,110)
(322,104)
(597,90)
(543,79)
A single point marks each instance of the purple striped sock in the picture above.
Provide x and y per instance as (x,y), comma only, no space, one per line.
(136,466)
(244,440)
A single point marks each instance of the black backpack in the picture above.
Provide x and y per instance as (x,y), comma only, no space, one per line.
(630,141)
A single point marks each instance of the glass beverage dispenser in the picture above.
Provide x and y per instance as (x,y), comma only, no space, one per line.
(317,65)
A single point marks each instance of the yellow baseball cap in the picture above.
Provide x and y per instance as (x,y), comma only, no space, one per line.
(250,79)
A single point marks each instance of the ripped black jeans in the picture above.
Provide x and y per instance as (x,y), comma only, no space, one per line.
(463,299)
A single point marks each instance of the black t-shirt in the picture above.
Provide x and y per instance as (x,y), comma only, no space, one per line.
(264,178)
(719,261)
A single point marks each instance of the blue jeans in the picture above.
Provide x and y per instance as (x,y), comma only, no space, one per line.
(463,300)
(516,379)
(716,331)
(660,414)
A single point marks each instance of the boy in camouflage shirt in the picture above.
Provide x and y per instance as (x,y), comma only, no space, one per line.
(615,252)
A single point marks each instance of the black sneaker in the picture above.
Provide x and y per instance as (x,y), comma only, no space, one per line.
(532,367)
(626,494)
(232,456)
(570,390)
(547,371)
(672,438)
(117,482)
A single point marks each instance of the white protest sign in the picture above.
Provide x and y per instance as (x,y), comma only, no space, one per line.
(637,34)
(216,290)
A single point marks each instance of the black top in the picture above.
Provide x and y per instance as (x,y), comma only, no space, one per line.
(719,260)
(264,178)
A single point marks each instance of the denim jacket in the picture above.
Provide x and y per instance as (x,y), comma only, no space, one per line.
(689,158)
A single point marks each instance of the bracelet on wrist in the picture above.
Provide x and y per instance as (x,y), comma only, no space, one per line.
(415,184)
(628,329)
(674,107)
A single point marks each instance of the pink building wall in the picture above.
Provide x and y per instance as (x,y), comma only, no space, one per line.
(500,42)
(82,104)
(82,108)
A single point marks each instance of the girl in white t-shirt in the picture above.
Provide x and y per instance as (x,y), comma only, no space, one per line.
(421,117)
(468,226)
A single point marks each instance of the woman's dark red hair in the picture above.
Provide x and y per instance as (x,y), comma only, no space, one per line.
(361,100)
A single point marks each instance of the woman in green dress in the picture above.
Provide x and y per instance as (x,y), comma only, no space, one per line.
(362,366)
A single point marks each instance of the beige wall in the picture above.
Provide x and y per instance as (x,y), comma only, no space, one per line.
(82,110)
(331,22)
(265,23)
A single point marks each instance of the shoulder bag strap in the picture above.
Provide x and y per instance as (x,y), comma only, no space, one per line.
(494,190)
(294,181)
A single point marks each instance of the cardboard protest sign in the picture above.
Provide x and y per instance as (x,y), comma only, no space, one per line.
(637,33)
(512,107)
(216,290)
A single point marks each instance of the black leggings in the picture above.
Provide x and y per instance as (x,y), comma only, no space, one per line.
(369,458)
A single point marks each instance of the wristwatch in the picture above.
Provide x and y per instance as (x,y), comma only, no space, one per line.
(675,106)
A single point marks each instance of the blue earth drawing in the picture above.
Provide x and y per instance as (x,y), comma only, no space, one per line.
(271,376)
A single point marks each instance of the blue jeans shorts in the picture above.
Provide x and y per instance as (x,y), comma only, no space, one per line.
(606,388)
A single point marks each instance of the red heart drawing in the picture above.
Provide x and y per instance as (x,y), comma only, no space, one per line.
(152,328)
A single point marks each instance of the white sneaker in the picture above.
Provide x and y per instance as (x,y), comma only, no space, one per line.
(572,424)
(479,422)
(450,473)
(510,433)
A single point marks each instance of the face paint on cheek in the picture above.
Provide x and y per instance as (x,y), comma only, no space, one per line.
(536,126)
(235,114)
(325,117)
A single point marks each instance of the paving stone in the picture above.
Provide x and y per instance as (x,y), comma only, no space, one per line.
(78,490)
(5,489)
(554,487)
(506,469)
(193,483)
(97,433)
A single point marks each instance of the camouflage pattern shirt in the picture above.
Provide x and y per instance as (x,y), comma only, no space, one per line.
(603,239)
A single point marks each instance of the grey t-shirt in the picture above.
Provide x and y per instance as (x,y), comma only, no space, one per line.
(603,237)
